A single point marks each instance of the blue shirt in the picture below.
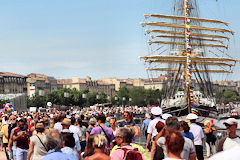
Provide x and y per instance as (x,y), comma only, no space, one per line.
(188,135)
(145,124)
(53,155)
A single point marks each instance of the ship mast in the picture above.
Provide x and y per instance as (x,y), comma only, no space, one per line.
(187,53)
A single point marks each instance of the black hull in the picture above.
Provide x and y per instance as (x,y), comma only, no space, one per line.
(204,111)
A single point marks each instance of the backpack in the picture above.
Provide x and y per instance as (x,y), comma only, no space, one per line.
(132,154)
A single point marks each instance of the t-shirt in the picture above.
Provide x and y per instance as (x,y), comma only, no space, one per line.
(188,135)
(4,130)
(152,126)
(76,130)
(109,132)
(230,143)
(14,142)
(118,154)
(58,126)
(197,133)
(231,154)
(22,141)
(124,123)
(39,150)
(188,147)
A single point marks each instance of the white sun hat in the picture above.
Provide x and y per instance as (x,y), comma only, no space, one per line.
(156,111)
(192,116)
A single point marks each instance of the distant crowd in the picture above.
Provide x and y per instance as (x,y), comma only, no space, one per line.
(98,134)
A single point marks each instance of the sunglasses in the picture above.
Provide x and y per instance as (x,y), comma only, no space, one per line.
(118,136)
(228,125)
(126,115)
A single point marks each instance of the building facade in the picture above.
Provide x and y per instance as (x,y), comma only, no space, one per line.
(40,83)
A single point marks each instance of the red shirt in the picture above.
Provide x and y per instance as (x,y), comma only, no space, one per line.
(22,141)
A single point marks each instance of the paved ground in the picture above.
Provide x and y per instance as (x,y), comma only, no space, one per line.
(2,156)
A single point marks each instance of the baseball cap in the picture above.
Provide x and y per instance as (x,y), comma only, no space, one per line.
(230,121)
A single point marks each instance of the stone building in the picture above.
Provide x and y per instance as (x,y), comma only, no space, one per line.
(41,83)
(87,83)
(11,83)
(13,87)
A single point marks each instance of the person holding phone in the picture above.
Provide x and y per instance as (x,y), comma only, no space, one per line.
(210,137)
(21,136)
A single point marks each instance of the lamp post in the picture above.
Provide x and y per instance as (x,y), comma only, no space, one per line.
(84,96)
(123,100)
(130,100)
(116,99)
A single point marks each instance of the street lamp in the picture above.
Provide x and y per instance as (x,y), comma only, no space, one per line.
(66,94)
(84,96)
(123,99)
(130,100)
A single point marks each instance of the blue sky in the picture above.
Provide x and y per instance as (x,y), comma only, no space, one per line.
(97,38)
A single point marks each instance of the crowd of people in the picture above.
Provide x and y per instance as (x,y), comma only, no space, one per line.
(95,134)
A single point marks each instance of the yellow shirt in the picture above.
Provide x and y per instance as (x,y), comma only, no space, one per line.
(5,133)
(140,149)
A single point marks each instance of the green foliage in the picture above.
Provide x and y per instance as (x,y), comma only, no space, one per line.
(139,96)
(227,96)
(74,98)
(3,102)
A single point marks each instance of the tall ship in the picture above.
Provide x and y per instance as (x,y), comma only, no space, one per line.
(189,49)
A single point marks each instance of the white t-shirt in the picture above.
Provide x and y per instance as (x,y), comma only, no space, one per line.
(197,133)
(188,147)
(58,126)
(76,130)
(230,143)
(231,154)
(152,124)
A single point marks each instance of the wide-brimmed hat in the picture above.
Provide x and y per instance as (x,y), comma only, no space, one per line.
(230,121)
(192,116)
(66,121)
(156,111)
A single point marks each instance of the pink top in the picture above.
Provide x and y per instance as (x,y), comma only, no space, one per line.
(118,154)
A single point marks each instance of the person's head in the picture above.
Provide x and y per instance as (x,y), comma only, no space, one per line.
(21,124)
(159,126)
(66,123)
(192,117)
(93,121)
(12,119)
(184,126)
(207,123)
(101,118)
(54,140)
(89,150)
(73,120)
(231,125)
(147,116)
(112,122)
(156,112)
(39,127)
(108,119)
(172,123)
(51,124)
(68,139)
(174,142)
(127,115)
(123,135)
(99,141)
